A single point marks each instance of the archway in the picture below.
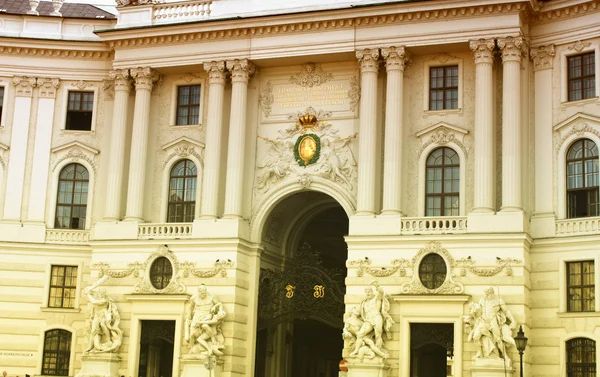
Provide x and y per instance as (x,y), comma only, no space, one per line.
(303,267)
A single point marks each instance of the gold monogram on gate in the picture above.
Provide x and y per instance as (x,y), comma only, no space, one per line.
(319,291)
(290,291)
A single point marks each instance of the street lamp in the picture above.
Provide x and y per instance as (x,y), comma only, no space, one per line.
(521,342)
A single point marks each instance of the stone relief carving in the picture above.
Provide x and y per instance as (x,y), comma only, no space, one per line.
(578,127)
(108,86)
(334,157)
(542,57)
(490,325)
(266,99)
(365,325)
(311,75)
(81,85)
(183,147)
(47,87)
(3,161)
(354,93)
(74,152)
(579,46)
(449,286)
(204,317)
(443,134)
(468,264)
(103,325)
(24,85)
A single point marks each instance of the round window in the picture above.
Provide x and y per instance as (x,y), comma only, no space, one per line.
(161,272)
(432,271)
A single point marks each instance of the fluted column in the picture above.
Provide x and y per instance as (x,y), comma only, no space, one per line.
(542,65)
(367,145)
(144,80)
(214,134)
(241,70)
(512,51)
(395,59)
(484,184)
(118,133)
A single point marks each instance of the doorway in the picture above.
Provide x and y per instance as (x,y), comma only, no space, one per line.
(431,349)
(156,348)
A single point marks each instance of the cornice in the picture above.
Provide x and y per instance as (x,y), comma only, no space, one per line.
(56,53)
(288,24)
(568,9)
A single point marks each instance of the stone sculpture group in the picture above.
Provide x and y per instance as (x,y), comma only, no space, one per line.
(104,320)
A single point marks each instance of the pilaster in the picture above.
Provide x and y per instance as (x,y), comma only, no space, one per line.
(214,135)
(484,163)
(367,145)
(241,70)
(395,59)
(144,81)
(512,49)
(116,161)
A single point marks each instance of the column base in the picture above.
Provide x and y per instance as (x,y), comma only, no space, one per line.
(201,366)
(100,365)
(491,368)
(367,368)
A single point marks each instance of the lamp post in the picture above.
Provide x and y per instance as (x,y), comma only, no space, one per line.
(521,342)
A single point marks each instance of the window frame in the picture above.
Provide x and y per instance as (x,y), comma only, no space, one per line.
(444,89)
(48,276)
(69,111)
(187,80)
(65,109)
(184,177)
(581,78)
(443,194)
(579,286)
(86,219)
(586,189)
(588,255)
(70,350)
(63,286)
(564,73)
(451,61)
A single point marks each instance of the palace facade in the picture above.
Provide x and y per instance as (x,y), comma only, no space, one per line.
(286,156)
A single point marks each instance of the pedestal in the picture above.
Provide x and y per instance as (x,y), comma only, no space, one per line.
(367,368)
(201,366)
(100,365)
(491,368)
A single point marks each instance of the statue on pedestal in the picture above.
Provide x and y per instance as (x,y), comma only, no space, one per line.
(203,324)
(364,325)
(105,335)
(490,326)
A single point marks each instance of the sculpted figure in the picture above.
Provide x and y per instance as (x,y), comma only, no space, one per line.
(376,320)
(491,325)
(203,323)
(105,335)
(337,160)
(276,164)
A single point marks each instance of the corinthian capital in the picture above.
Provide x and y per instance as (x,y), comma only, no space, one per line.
(542,57)
(47,87)
(144,77)
(368,60)
(395,58)
(24,85)
(483,50)
(241,70)
(121,79)
(513,48)
(216,72)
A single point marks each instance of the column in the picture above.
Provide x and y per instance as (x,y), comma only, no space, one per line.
(542,65)
(18,147)
(144,80)
(395,59)
(512,50)
(241,70)
(116,160)
(367,145)
(41,149)
(214,134)
(484,163)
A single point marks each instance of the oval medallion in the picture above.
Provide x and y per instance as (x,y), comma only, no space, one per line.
(307,149)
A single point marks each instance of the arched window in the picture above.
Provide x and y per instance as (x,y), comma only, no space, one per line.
(582,179)
(57,353)
(442,183)
(182,192)
(71,202)
(581,357)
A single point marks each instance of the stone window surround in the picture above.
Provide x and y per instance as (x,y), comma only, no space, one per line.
(4,84)
(40,352)
(64,107)
(166,177)
(563,347)
(562,283)
(564,74)
(173,108)
(434,63)
(76,262)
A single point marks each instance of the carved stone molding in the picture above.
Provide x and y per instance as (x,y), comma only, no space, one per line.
(579,124)
(144,78)
(311,75)
(74,152)
(241,70)
(47,87)
(449,286)
(368,60)
(542,57)
(3,161)
(82,85)
(483,50)
(354,93)
(24,85)
(219,268)
(442,134)
(468,264)
(183,147)
(49,52)
(189,77)
(364,266)
(108,86)
(121,79)
(266,99)
(216,72)
(395,58)
(144,285)
(512,48)
(579,46)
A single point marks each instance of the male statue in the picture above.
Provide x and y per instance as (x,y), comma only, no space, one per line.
(105,335)
(203,323)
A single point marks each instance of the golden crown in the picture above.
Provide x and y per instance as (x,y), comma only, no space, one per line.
(307,121)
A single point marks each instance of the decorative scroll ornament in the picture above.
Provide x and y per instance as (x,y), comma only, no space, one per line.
(220,268)
(512,48)
(483,50)
(442,134)
(24,85)
(364,266)
(181,148)
(74,152)
(449,286)
(354,93)
(81,85)
(579,46)
(578,125)
(311,75)
(468,264)
(47,87)
(542,57)
(266,99)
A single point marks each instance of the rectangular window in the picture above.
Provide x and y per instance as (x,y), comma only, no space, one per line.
(188,105)
(582,76)
(79,111)
(580,286)
(1,103)
(63,284)
(443,88)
